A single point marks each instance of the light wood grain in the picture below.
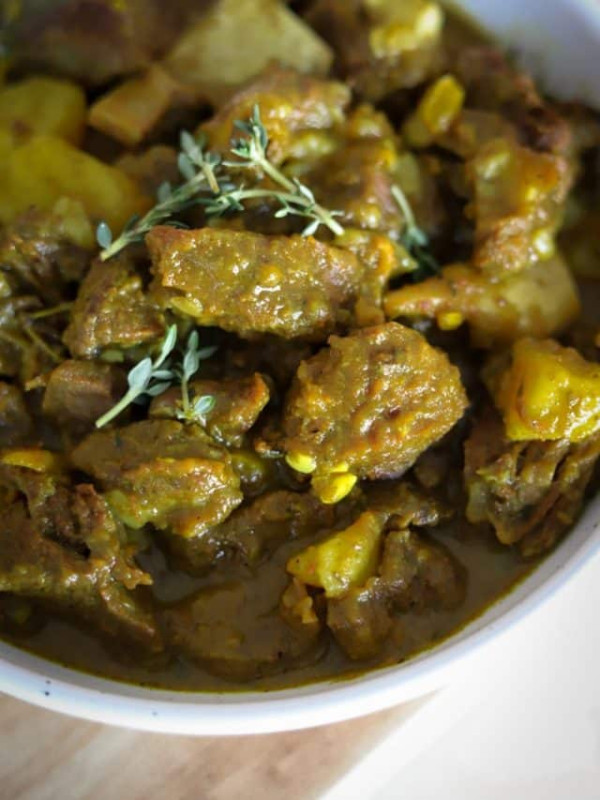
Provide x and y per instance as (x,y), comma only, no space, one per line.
(47,756)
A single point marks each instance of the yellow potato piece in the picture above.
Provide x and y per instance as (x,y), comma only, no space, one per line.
(46,168)
(43,106)
(129,112)
(31,458)
(343,560)
(237,39)
(540,301)
(549,392)
(440,106)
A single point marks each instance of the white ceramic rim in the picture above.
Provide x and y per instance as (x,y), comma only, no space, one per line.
(67,691)
(70,692)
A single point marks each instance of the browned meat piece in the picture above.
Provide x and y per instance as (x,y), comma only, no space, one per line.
(249,283)
(405,504)
(357,179)
(492,84)
(381,46)
(530,492)
(16,426)
(80,392)
(270,355)
(382,258)
(28,347)
(238,403)
(238,633)
(151,167)
(290,104)
(360,621)
(255,530)
(112,312)
(369,404)
(94,40)
(417,573)
(164,473)
(41,254)
(61,544)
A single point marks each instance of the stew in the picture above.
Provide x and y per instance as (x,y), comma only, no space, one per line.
(299,340)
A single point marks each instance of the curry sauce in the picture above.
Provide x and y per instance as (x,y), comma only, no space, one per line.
(299,350)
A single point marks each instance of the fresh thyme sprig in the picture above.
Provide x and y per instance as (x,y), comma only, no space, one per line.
(193,409)
(153,377)
(198,169)
(149,377)
(208,180)
(296,198)
(415,240)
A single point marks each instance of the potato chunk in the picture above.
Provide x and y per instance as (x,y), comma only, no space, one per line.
(42,105)
(130,111)
(519,196)
(237,39)
(549,392)
(436,113)
(540,301)
(249,283)
(46,168)
(343,560)
(368,405)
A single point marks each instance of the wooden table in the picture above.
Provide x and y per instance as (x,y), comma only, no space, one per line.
(47,756)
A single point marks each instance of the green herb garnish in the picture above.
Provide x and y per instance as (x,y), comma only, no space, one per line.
(209,181)
(149,377)
(198,170)
(194,409)
(415,240)
(296,199)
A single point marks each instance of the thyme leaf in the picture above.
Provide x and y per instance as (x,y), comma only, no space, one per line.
(148,377)
(415,240)
(210,181)
(193,410)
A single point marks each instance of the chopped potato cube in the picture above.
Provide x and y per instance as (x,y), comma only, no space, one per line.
(343,560)
(404,26)
(31,458)
(519,197)
(237,39)
(549,392)
(540,301)
(46,168)
(440,106)
(43,106)
(129,112)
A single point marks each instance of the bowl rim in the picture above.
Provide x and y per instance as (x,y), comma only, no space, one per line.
(58,688)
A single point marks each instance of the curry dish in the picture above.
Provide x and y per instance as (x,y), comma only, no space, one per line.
(299,339)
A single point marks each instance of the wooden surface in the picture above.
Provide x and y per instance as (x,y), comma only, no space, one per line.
(47,756)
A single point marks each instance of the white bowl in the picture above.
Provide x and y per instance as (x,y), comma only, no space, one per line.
(561,41)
